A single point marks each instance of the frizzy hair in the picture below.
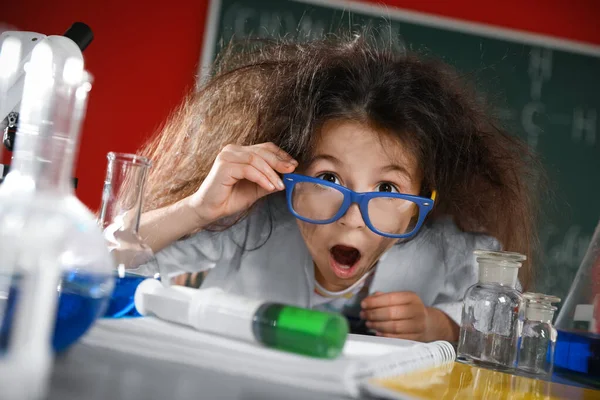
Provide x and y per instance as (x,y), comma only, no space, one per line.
(283,92)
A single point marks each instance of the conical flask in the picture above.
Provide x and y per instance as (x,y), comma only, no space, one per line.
(581,311)
(577,350)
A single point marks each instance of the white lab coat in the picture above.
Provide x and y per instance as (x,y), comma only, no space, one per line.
(265,257)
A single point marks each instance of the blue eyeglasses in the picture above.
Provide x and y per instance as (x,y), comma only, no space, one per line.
(393,215)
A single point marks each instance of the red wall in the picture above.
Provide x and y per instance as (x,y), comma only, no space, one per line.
(144,57)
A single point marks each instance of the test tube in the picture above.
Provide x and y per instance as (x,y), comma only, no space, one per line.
(283,327)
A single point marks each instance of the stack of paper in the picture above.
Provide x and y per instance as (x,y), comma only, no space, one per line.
(363,356)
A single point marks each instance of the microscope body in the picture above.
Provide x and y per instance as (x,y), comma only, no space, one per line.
(14,59)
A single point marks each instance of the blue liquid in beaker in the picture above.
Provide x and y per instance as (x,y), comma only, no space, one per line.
(8,308)
(122,299)
(577,356)
(83,297)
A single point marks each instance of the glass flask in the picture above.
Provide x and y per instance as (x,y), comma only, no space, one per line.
(52,109)
(577,354)
(119,218)
(492,313)
(538,337)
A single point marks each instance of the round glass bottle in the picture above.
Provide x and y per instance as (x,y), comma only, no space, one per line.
(493,312)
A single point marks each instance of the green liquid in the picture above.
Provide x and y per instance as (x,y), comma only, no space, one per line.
(298,330)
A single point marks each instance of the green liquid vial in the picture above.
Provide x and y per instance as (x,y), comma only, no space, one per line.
(299,330)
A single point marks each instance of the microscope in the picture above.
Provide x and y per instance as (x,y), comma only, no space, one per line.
(17,47)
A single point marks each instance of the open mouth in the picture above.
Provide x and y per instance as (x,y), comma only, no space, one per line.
(343,260)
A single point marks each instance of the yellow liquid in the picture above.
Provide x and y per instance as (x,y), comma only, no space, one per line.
(460,381)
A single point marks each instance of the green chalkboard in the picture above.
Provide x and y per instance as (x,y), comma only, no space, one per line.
(546,91)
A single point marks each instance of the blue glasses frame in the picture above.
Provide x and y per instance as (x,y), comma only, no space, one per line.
(362,199)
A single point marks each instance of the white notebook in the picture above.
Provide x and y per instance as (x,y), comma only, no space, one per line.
(363,357)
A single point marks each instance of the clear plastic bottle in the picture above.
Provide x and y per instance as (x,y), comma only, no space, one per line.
(493,312)
(538,338)
(52,110)
(120,218)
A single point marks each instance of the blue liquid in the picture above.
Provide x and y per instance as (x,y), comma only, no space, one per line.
(9,311)
(122,299)
(83,297)
(577,355)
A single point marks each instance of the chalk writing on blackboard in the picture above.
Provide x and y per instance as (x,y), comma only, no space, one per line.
(583,121)
(584,125)
(540,70)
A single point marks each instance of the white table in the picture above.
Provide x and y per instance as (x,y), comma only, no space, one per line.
(91,373)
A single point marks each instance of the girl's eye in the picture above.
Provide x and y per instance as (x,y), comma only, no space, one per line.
(387,187)
(329,177)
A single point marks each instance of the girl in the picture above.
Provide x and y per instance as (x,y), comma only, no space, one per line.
(339,176)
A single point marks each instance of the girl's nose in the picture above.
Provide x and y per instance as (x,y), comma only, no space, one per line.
(352,218)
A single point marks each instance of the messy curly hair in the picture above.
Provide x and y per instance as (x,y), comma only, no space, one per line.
(283,92)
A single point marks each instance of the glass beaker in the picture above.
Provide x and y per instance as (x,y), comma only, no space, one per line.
(577,354)
(538,337)
(119,218)
(492,312)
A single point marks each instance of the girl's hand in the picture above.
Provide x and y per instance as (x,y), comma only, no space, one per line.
(403,315)
(239,177)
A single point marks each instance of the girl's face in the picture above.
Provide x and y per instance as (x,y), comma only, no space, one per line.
(362,159)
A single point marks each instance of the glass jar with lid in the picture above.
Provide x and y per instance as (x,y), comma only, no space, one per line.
(493,312)
(538,338)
